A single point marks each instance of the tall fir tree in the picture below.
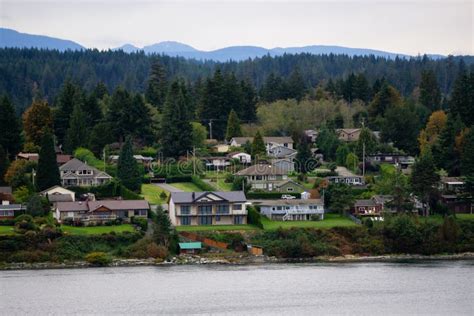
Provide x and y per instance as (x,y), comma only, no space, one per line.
(48,171)
(127,167)
(462,98)
(77,134)
(430,93)
(444,151)
(4,162)
(69,95)
(296,86)
(258,146)
(249,99)
(10,138)
(176,130)
(157,85)
(233,126)
(467,162)
(424,178)
(304,156)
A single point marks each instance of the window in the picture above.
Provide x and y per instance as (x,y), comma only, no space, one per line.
(218,218)
(239,219)
(279,208)
(143,212)
(237,207)
(258,177)
(185,209)
(185,220)
(285,144)
(204,209)
(136,212)
(205,220)
(223,209)
(289,189)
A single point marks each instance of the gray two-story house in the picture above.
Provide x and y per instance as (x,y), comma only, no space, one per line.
(269,178)
(76,173)
(207,208)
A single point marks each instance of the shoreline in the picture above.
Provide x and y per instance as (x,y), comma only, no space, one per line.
(241,261)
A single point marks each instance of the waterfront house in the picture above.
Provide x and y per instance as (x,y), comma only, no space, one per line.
(347,177)
(9,211)
(142,160)
(77,173)
(451,185)
(190,247)
(292,210)
(207,208)
(101,211)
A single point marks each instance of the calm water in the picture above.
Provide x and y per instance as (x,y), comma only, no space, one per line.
(439,288)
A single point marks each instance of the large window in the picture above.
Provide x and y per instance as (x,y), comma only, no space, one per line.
(205,220)
(185,220)
(205,210)
(185,209)
(222,209)
(239,219)
(237,207)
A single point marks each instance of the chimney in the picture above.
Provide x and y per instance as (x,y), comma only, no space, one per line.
(193,196)
(6,202)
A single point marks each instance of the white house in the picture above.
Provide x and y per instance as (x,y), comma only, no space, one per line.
(270,142)
(292,210)
(243,158)
(58,194)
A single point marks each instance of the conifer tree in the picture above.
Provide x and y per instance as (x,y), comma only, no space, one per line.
(424,178)
(48,171)
(69,96)
(157,85)
(341,154)
(462,100)
(127,167)
(303,157)
(77,134)
(467,161)
(444,151)
(10,138)
(258,146)
(176,130)
(233,126)
(430,94)
(3,165)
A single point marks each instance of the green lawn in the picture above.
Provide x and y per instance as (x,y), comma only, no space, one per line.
(467,217)
(151,193)
(6,230)
(215,227)
(438,219)
(330,220)
(96,230)
(186,186)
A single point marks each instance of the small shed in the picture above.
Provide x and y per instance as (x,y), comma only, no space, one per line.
(190,247)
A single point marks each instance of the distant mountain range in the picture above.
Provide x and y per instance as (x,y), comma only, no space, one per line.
(12,38)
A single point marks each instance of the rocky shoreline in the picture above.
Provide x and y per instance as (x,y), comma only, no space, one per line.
(240,260)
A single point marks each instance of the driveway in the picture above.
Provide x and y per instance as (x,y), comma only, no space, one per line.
(168,187)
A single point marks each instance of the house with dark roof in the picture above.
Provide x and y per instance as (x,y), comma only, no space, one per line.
(207,208)
(263,176)
(101,211)
(58,194)
(61,159)
(78,173)
(348,134)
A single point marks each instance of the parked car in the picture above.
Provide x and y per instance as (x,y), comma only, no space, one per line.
(288,197)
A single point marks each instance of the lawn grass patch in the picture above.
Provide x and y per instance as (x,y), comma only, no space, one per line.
(97,230)
(186,186)
(7,230)
(151,193)
(330,220)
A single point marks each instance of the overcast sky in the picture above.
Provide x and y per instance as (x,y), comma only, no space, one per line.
(411,27)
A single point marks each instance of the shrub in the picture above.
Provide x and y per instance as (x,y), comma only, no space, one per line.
(29,256)
(201,184)
(140,222)
(7,222)
(254,217)
(99,259)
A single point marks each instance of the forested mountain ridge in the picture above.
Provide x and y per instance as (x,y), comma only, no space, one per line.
(26,72)
(12,38)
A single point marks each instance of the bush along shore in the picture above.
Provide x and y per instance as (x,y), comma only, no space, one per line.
(397,238)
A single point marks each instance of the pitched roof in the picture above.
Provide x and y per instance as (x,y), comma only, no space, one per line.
(76,164)
(110,204)
(53,198)
(452,180)
(60,158)
(190,197)
(260,170)
(348,130)
(54,187)
(190,245)
(6,190)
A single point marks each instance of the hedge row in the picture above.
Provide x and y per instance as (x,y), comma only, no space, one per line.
(202,184)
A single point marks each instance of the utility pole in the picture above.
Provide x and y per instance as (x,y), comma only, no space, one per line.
(103,154)
(194,160)
(363,152)
(210,128)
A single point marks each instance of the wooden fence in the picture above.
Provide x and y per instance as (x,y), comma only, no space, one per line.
(204,240)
